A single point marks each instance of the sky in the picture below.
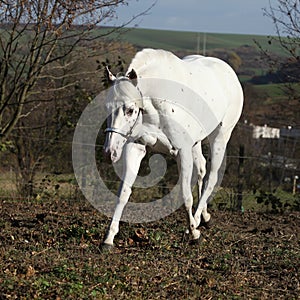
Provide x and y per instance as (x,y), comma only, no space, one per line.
(218,16)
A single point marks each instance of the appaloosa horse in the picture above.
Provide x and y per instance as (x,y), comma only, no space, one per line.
(171,105)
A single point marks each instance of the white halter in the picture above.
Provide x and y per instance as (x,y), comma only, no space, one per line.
(122,132)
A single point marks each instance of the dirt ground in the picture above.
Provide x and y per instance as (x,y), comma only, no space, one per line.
(51,251)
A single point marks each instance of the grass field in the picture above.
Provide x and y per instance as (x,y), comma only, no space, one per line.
(276,91)
(191,41)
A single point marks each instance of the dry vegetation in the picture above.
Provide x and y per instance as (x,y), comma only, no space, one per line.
(51,251)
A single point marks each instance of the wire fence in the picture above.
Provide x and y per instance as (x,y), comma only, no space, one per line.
(8,187)
(276,162)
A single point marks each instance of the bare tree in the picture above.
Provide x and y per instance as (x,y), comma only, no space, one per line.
(35,37)
(42,141)
(285,16)
(285,69)
(48,73)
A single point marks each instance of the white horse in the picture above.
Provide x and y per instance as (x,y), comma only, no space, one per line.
(143,112)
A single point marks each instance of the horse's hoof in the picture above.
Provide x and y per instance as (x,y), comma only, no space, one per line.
(207,224)
(195,241)
(106,248)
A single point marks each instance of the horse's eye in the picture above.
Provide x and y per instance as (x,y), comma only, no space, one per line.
(129,111)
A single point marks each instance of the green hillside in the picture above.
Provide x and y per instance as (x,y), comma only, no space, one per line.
(192,41)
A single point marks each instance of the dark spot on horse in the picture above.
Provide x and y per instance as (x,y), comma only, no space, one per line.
(182,89)
(172,109)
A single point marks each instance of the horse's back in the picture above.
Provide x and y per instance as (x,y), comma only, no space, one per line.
(211,78)
(220,78)
(157,63)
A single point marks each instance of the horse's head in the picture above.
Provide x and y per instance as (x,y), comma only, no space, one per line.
(124,103)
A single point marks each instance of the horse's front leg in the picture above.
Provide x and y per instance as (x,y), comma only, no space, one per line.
(132,156)
(186,170)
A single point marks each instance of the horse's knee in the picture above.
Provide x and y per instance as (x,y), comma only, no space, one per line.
(188,201)
(124,194)
(202,172)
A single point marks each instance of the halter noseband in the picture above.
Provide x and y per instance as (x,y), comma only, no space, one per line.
(122,132)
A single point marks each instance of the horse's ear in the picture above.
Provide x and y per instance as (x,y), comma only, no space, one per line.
(132,75)
(110,76)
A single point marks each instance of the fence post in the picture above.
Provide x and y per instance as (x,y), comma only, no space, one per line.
(239,203)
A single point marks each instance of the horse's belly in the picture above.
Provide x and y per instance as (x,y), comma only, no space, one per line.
(184,128)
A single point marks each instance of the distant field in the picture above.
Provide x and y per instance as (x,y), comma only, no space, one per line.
(276,89)
(187,41)
(192,41)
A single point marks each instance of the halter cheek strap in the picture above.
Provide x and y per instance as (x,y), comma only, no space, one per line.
(116,130)
(122,132)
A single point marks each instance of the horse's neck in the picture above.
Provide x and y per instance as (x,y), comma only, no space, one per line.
(150,115)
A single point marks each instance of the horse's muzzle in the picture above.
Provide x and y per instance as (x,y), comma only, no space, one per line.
(111,154)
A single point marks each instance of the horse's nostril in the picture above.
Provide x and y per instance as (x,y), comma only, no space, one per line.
(113,153)
(106,154)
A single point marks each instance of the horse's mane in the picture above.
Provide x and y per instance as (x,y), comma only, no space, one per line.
(145,61)
(122,91)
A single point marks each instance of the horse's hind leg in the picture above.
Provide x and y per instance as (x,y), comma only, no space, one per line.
(200,166)
(186,170)
(218,142)
(132,157)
